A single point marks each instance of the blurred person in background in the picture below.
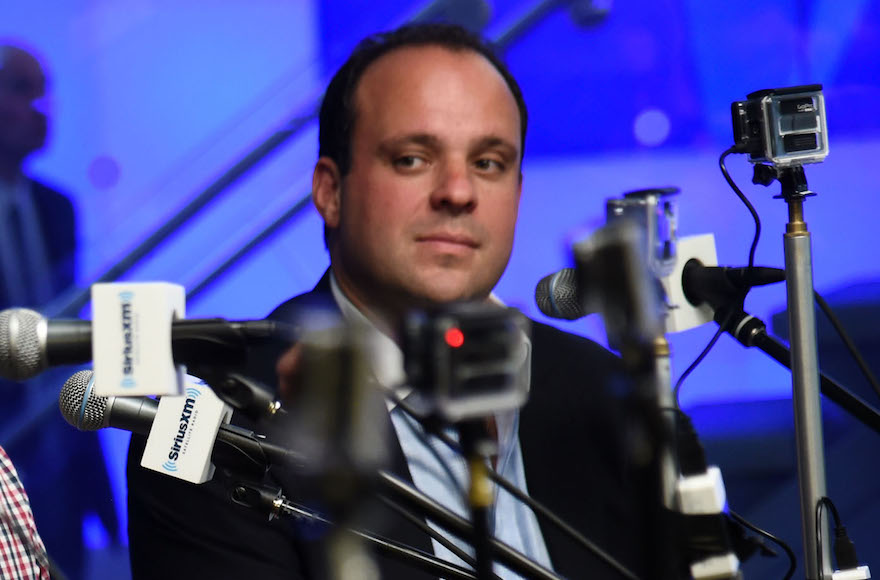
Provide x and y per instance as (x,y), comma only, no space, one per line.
(62,469)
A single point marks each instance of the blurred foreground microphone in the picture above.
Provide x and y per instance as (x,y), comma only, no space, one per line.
(235,448)
(560,295)
(557,295)
(30,343)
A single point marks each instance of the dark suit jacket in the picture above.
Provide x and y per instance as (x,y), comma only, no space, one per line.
(58,225)
(62,469)
(572,449)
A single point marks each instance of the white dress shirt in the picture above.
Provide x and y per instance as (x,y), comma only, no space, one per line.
(441,473)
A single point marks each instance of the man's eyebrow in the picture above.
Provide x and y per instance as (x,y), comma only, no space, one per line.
(494,141)
(425,139)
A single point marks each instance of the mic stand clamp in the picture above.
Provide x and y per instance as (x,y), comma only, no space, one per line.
(240,392)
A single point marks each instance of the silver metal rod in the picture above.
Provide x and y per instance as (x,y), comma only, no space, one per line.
(805,389)
(669,469)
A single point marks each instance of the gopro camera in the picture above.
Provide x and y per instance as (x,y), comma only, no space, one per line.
(465,359)
(782,127)
(655,211)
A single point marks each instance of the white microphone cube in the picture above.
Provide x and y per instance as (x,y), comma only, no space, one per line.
(682,315)
(182,436)
(131,338)
(703,493)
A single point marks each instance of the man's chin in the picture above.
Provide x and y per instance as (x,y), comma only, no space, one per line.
(436,293)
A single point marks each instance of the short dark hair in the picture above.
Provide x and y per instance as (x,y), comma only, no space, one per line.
(337,117)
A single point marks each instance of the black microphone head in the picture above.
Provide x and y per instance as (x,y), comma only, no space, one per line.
(557,295)
(22,336)
(79,405)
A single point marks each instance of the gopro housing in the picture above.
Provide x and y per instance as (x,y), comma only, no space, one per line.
(465,359)
(782,127)
(655,211)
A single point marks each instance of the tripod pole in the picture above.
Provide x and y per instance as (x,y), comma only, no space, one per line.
(805,372)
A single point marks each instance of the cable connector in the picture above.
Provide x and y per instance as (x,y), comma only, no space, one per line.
(844,549)
(860,573)
(700,496)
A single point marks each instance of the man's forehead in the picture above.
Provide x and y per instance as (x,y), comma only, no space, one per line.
(406,68)
(427,90)
(420,52)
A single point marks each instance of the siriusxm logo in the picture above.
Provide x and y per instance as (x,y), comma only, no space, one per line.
(176,446)
(125,299)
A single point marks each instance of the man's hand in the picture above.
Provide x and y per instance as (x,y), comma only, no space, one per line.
(289,370)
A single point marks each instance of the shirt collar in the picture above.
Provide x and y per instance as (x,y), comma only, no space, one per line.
(386,357)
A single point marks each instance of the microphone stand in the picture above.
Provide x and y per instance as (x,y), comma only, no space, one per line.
(804,365)
(454,524)
(752,332)
(477,448)
(273,503)
(632,314)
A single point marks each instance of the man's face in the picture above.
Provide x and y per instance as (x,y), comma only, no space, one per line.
(427,213)
(22,127)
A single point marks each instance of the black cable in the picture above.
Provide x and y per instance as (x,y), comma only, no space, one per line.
(847,341)
(694,364)
(403,553)
(843,547)
(721,328)
(751,265)
(412,518)
(537,507)
(819,505)
(745,201)
(420,523)
(792,559)
(422,436)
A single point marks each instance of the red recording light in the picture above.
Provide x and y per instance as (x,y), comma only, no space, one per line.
(454,337)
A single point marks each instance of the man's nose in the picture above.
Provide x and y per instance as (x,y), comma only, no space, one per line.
(455,190)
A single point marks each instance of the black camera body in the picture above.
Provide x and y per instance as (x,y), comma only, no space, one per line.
(782,127)
(465,359)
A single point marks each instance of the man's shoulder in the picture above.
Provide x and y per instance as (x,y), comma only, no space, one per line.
(561,347)
(319,297)
(52,201)
(44,191)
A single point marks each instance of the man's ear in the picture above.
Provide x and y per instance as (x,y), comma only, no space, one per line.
(327,190)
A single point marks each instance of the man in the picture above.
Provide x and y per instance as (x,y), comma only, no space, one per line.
(418,182)
(22,554)
(37,239)
(62,469)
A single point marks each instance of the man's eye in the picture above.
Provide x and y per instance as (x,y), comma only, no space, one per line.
(409,161)
(490,165)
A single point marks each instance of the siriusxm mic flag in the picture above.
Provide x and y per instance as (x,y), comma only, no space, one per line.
(183,432)
(682,315)
(131,338)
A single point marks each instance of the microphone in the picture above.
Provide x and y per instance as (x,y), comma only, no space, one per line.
(719,286)
(235,448)
(557,295)
(30,343)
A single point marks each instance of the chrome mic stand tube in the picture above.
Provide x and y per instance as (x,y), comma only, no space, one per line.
(805,372)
